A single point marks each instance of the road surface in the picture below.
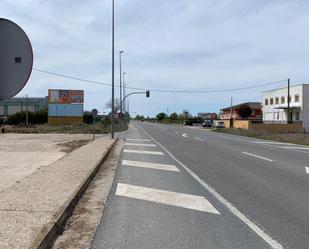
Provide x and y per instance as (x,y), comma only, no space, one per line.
(183,187)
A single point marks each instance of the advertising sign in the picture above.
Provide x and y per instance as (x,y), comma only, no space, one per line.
(65,96)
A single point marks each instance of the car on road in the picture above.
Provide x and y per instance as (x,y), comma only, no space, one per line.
(207,123)
(218,124)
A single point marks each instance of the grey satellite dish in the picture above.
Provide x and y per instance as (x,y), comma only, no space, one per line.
(16,59)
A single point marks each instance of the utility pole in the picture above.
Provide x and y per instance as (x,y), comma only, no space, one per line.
(26,109)
(113,71)
(289,114)
(231,114)
(124,92)
(120,81)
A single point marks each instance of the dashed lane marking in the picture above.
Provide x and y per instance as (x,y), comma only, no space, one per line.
(159,166)
(199,139)
(254,227)
(146,145)
(264,158)
(307,170)
(146,152)
(194,202)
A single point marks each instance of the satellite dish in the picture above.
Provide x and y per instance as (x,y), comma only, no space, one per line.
(16,59)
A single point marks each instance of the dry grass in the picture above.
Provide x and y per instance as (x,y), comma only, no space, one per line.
(68,129)
(296,138)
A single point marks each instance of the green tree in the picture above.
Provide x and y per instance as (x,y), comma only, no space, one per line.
(160,116)
(174,116)
(244,111)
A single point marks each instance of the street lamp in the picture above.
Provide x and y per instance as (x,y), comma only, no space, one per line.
(120,81)
(113,71)
(124,91)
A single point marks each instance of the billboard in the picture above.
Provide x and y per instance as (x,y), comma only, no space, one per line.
(60,96)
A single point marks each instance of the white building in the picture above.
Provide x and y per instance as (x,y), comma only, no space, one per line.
(275,105)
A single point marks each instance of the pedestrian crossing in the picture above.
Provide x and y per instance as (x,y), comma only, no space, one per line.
(159,196)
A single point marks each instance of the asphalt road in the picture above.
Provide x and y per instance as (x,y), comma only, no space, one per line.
(181,187)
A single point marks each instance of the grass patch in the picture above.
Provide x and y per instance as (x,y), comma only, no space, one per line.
(295,138)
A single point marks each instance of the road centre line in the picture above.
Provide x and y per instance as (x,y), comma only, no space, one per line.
(307,170)
(260,232)
(194,202)
(160,166)
(146,145)
(146,152)
(137,139)
(264,158)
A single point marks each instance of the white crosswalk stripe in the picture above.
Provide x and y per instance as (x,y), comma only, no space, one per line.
(146,152)
(135,144)
(193,202)
(159,166)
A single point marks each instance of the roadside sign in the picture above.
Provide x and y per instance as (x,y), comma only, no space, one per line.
(16,59)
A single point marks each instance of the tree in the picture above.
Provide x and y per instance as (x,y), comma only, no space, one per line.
(116,105)
(244,111)
(160,116)
(174,116)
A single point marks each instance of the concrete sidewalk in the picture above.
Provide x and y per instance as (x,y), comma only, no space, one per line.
(32,211)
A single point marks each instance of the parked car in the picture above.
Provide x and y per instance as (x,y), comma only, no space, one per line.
(207,123)
(218,124)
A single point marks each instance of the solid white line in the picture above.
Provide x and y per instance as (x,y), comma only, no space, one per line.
(294,148)
(199,139)
(264,158)
(146,145)
(307,170)
(167,167)
(137,139)
(193,202)
(147,152)
(273,243)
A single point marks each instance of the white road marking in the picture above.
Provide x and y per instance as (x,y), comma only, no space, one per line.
(147,152)
(193,202)
(146,145)
(167,167)
(137,139)
(272,242)
(307,170)
(264,158)
(271,142)
(185,135)
(295,148)
(199,139)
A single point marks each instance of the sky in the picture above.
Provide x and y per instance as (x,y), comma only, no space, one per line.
(169,45)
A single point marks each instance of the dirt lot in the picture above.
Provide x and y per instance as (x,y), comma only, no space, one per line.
(23,154)
(295,138)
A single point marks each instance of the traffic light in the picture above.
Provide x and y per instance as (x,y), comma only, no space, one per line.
(147,94)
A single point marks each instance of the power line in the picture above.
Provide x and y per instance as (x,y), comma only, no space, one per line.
(162,90)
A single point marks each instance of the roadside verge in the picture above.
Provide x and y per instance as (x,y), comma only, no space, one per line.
(33,211)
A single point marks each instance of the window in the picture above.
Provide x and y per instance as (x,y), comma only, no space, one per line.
(271,101)
(296,98)
(282,100)
(266,101)
(290,99)
(297,116)
(277,101)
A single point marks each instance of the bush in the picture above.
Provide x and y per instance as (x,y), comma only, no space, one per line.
(39,117)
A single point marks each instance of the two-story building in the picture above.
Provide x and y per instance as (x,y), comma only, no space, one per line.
(275,105)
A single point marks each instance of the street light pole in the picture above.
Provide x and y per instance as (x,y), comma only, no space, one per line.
(124,92)
(120,82)
(113,70)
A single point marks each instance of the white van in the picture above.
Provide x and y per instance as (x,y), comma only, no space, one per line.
(218,124)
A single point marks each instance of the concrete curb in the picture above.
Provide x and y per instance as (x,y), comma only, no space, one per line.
(51,232)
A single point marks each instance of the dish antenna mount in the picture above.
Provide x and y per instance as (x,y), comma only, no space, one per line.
(16,59)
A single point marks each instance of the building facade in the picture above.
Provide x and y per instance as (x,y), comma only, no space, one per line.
(18,104)
(256,113)
(275,105)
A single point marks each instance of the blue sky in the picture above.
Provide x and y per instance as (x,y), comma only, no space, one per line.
(169,44)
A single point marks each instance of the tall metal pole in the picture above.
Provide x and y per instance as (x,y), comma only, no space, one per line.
(113,70)
(27,110)
(231,116)
(289,118)
(120,82)
(124,92)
